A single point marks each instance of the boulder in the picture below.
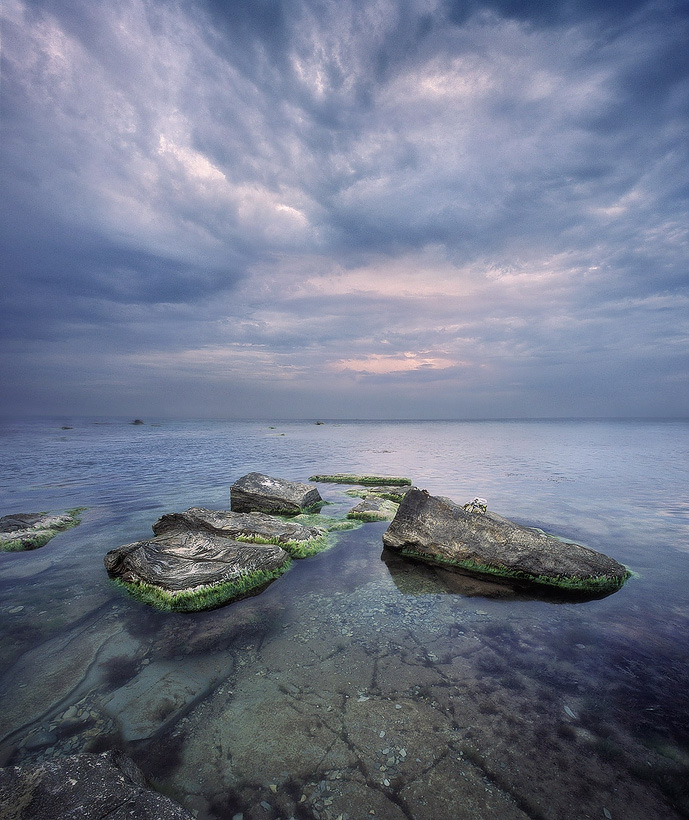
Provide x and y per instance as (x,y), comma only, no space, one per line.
(373,509)
(261,493)
(84,785)
(27,531)
(437,530)
(252,526)
(191,570)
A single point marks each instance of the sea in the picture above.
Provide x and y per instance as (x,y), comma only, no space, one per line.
(359,684)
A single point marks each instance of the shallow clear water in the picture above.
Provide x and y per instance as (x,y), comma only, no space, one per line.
(358,682)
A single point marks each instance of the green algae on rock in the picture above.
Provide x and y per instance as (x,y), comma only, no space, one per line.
(351,478)
(437,530)
(373,509)
(28,531)
(201,598)
(187,571)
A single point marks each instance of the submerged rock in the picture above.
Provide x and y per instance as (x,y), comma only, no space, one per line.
(373,509)
(84,785)
(438,530)
(191,570)
(257,527)
(261,493)
(27,531)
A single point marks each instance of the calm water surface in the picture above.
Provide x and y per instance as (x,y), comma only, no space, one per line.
(358,684)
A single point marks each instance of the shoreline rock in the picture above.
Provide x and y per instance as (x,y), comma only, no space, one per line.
(373,509)
(109,784)
(352,478)
(435,529)
(188,571)
(254,527)
(256,492)
(28,531)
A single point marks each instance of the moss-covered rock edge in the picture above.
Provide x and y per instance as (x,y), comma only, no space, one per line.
(593,584)
(41,537)
(351,478)
(210,596)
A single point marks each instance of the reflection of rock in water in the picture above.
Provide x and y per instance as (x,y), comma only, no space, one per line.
(413,577)
(417,578)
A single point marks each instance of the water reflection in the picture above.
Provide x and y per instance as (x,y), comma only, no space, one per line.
(415,577)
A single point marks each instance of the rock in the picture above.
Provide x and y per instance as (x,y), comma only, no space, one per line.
(392,492)
(253,526)
(84,785)
(27,531)
(373,509)
(438,530)
(261,493)
(190,570)
(351,478)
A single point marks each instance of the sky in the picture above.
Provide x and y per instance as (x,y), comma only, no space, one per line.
(345,208)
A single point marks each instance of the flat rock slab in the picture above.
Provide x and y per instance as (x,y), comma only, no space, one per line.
(262,493)
(373,509)
(438,530)
(352,478)
(251,525)
(27,531)
(194,561)
(83,786)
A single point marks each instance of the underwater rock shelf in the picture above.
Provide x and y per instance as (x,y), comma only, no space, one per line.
(28,531)
(472,539)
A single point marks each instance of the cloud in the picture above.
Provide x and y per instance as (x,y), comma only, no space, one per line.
(475,207)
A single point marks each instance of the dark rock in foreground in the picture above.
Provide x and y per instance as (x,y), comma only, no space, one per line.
(257,527)
(85,785)
(438,530)
(261,493)
(27,531)
(191,570)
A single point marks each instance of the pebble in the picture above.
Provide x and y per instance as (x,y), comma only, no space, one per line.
(381,734)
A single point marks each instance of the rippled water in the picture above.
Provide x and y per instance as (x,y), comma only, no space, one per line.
(359,683)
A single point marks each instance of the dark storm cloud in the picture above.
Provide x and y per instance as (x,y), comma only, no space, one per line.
(300,198)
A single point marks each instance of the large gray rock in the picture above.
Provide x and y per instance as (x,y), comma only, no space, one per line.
(27,531)
(83,786)
(183,568)
(438,530)
(252,525)
(261,493)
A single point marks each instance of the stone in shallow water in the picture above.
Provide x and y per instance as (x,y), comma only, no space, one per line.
(86,785)
(251,525)
(352,478)
(262,493)
(184,566)
(27,531)
(373,509)
(438,530)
